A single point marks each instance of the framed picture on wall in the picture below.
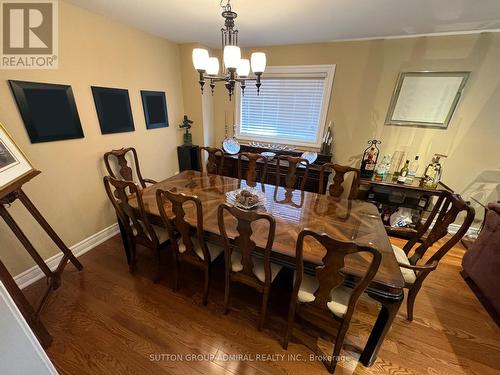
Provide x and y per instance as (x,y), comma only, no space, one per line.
(155,109)
(113,110)
(13,163)
(48,111)
(426,99)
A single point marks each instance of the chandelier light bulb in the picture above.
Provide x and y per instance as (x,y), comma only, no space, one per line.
(200,59)
(243,69)
(258,60)
(213,66)
(232,56)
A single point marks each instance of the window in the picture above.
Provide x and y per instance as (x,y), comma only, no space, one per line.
(291,107)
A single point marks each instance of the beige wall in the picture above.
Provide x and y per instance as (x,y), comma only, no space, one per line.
(93,51)
(366,72)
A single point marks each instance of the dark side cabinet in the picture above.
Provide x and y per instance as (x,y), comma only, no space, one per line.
(188,158)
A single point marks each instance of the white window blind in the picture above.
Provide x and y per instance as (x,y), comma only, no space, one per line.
(288,109)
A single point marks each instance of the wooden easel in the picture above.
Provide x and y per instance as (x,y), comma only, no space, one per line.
(32,313)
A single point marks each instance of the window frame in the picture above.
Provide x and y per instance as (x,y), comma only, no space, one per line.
(292,71)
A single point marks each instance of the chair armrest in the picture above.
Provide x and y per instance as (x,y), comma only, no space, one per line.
(425,267)
(150,181)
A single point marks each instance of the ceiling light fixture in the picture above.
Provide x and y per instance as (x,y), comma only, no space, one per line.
(235,69)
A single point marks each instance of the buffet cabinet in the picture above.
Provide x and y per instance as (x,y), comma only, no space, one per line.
(230,168)
(389,195)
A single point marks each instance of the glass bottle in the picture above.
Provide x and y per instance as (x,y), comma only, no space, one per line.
(412,171)
(433,172)
(383,168)
(403,173)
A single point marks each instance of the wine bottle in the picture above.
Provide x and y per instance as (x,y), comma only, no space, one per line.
(403,173)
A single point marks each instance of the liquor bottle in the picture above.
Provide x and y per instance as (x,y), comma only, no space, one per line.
(369,160)
(403,173)
(433,172)
(412,171)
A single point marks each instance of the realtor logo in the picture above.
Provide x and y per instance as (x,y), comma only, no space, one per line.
(29,34)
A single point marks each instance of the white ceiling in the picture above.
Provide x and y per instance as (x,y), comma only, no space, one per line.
(275,22)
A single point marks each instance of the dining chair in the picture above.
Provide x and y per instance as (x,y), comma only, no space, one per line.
(139,230)
(447,209)
(212,166)
(125,172)
(190,248)
(291,176)
(336,188)
(242,264)
(324,296)
(252,159)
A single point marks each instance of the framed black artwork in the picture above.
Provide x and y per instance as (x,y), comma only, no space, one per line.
(155,109)
(113,110)
(48,111)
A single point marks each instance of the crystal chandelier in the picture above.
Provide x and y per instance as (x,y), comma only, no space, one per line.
(235,69)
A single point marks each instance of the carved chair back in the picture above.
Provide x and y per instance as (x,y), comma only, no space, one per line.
(244,243)
(252,159)
(176,222)
(336,188)
(445,212)
(212,166)
(329,275)
(136,224)
(291,174)
(125,172)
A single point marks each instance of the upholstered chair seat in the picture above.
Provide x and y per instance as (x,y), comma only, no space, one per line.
(408,275)
(214,250)
(161,233)
(339,296)
(258,266)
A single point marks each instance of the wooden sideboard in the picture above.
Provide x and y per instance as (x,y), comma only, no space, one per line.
(230,168)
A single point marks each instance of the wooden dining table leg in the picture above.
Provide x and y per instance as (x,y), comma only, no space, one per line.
(388,312)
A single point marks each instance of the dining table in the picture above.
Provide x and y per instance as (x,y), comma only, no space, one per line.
(295,210)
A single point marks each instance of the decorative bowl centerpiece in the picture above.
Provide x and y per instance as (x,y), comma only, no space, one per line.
(246,198)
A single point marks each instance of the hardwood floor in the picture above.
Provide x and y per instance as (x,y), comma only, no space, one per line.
(105,321)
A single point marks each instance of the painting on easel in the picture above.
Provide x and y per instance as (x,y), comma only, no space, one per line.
(13,163)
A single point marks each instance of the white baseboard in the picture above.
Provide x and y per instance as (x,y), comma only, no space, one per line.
(33,274)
